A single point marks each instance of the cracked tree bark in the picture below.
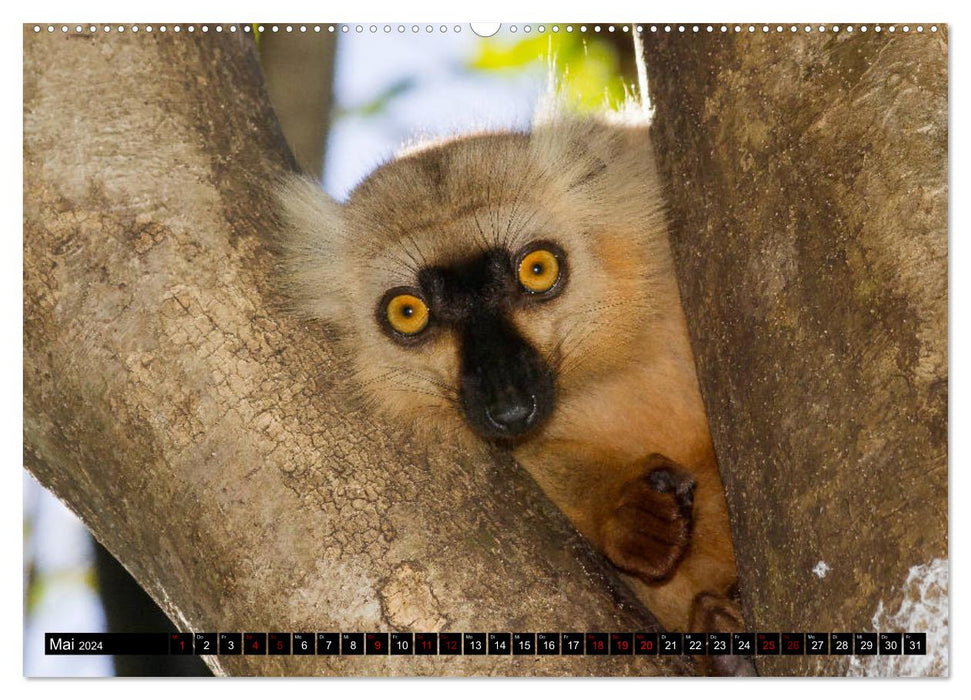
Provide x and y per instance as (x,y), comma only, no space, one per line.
(200,433)
(808,195)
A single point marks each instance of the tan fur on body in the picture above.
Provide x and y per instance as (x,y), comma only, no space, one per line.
(615,336)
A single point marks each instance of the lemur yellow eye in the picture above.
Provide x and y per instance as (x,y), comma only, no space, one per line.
(539,271)
(407,314)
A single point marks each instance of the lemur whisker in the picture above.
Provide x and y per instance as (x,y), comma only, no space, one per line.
(514,240)
(422,392)
(416,263)
(418,251)
(573,360)
(518,198)
(392,271)
(572,342)
(483,240)
(604,306)
(513,206)
(409,266)
(408,371)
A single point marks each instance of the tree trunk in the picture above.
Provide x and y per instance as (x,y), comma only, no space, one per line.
(298,68)
(201,433)
(808,194)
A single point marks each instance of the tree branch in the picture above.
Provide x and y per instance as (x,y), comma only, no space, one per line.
(200,433)
(808,193)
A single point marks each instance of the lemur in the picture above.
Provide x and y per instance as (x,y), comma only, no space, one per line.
(519,288)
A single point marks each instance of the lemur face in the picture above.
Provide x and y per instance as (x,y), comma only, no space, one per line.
(481,282)
(506,387)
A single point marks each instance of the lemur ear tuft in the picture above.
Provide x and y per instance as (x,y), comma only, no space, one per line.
(312,247)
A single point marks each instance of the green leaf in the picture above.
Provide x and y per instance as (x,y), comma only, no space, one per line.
(586,67)
(380,102)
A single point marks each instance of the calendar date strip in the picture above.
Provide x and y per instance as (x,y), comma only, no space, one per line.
(488,643)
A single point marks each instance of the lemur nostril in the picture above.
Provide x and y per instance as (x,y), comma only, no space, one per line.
(513,415)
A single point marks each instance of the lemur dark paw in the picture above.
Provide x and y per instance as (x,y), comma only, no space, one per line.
(714,612)
(650,530)
(729,665)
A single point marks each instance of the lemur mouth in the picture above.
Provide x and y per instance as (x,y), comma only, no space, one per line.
(507,435)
